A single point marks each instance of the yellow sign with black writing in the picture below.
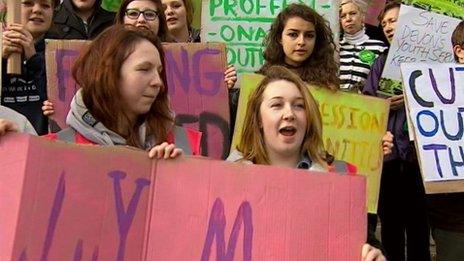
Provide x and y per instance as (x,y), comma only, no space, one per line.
(353,127)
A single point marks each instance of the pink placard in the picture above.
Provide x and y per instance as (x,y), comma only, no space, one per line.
(198,92)
(60,203)
(60,56)
(373,11)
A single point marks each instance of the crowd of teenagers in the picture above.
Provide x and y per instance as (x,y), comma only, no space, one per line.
(123,100)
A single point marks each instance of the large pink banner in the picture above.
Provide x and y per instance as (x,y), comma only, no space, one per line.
(60,203)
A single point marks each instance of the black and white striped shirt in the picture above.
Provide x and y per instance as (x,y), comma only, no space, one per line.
(356,60)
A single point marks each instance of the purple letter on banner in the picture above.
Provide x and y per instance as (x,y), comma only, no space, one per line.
(125,218)
(216,227)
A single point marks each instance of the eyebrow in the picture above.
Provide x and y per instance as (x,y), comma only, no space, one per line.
(296,30)
(280,98)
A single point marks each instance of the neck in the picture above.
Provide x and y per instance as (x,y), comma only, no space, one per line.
(37,37)
(290,161)
(125,124)
(84,15)
(181,35)
(357,38)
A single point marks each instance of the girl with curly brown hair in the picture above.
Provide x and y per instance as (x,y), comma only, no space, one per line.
(301,40)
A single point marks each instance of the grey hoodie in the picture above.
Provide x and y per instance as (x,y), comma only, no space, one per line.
(80,119)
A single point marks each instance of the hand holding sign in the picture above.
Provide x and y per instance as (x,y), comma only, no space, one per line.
(396,102)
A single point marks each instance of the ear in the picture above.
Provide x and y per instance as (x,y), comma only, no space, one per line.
(459,52)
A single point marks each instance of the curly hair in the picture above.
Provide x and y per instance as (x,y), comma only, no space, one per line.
(252,144)
(320,68)
(98,72)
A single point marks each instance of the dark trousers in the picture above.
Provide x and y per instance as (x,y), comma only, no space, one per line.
(402,212)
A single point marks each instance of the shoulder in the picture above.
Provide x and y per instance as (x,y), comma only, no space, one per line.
(237,156)
(196,35)
(69,135)
(24,125)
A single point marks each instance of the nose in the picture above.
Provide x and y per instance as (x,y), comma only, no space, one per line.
(168,10)
(288,113)
(156,81)
(301,40)
(141,18)
(36,8)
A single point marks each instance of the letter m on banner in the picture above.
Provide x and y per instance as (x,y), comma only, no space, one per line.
(216,227)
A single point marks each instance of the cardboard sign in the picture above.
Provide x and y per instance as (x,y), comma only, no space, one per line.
(133,208)
(198,93)
(353,127)
(375,7)
(195,74)
(435,101)
(242,25)
(420,36)
(60,56)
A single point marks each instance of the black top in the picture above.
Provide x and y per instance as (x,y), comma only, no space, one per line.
(25,93)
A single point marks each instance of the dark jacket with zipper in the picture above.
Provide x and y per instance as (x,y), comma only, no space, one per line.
(67,25)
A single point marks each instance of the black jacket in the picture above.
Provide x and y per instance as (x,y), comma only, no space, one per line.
(67,25)
(25,93)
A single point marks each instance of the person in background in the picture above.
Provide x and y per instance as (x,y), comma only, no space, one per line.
(446,211)
(301,40)
(179,18)
(357,54)
(145,14)
(357,50)
(123,97)
(402,207)
(25,93)
(80,19)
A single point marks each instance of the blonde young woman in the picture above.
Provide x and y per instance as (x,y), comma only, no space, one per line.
(283,127)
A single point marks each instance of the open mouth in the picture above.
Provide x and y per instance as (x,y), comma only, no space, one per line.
(287,131)
(171,19)
(36,20)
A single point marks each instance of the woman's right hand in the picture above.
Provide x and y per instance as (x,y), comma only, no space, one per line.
(48,109)
(9,46)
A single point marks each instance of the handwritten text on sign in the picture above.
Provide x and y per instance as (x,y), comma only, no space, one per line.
(420,36)
(243,24)
(195,75)
(134,208)
(61,86)
(435,95)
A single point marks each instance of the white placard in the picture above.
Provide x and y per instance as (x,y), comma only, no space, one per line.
(435,100)
(420,36)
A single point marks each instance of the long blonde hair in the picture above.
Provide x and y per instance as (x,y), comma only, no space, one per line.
(252,144)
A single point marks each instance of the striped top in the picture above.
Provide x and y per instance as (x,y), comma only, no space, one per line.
(356,61)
